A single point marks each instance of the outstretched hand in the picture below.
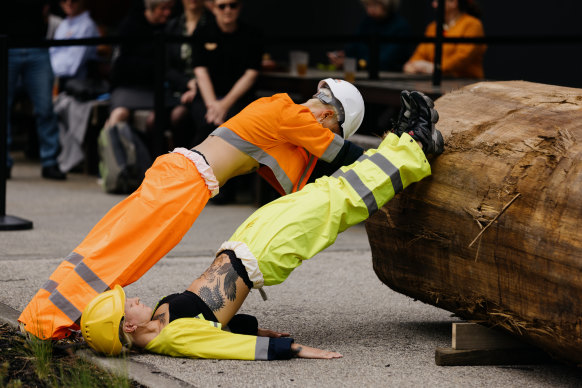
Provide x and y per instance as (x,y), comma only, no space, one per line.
(303,351)
(270,333)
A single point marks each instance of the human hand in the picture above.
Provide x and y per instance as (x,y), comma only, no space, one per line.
(424,67)
(188,96)
(270,333)
(216,112)
(419,67)
(409,68)
(302,351)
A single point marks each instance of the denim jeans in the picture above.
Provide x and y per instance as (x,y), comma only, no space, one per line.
(32,67)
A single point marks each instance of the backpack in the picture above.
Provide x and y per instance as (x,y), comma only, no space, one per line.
(123,159)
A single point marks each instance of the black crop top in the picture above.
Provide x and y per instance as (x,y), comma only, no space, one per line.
(189,305)
(186,305)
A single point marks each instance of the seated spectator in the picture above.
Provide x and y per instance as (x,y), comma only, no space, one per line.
(227,57)
(180,70)
(133,71)
(462,60)
(71,61)
(382,19)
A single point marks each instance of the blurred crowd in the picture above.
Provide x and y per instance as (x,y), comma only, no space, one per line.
(208,79)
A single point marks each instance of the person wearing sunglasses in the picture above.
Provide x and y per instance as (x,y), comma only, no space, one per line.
(264,251)
(227,56)
(280,139)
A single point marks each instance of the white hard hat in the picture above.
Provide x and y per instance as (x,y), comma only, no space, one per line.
(351,104)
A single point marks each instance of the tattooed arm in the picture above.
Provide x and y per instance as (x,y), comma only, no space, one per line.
(221,288)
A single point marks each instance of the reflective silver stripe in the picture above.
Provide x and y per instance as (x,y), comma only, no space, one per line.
(74,258)
(50,286)
(90,278)
(385,165)
(312,159)
(333,149)
(262,349)
(256,153)
(339,172)
(215,324)
(65,306)
(366,194)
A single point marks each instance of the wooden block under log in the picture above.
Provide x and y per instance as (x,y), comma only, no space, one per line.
(452,357)
(471,336)
(474,344)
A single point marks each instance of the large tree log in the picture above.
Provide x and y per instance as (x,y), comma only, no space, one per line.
(524,274)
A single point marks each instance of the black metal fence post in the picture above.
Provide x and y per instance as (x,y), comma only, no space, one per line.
(159,141)
(438,45)
(374,65)
(6,222)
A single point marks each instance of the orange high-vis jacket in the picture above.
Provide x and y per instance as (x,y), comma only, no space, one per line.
(463,60)
(284,137)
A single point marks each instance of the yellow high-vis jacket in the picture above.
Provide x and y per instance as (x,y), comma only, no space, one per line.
(199,338)
(275,239)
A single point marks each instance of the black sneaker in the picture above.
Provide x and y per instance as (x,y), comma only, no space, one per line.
(53,172)
(421,123)
(400,125)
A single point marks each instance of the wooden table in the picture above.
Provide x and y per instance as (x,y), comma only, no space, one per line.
(384,91)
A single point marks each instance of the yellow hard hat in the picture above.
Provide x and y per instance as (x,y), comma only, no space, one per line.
(100,321)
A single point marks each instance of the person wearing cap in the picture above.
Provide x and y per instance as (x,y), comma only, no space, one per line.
(264,250)
(280,139)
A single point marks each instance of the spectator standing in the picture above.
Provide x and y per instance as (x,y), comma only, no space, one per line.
(32,67)
(180,70)
(382,19)
(71,61)
(462,60)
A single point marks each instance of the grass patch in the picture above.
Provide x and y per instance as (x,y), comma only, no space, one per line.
(36,363)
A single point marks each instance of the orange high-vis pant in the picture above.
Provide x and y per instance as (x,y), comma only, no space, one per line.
(124,244)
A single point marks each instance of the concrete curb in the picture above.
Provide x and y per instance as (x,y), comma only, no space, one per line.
(144,374)
(9,316)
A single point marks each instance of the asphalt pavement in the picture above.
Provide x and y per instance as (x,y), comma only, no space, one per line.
(333,301)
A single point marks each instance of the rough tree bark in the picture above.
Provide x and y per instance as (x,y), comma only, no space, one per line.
(524,273)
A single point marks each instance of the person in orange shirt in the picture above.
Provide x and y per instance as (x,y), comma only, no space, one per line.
(461,60)
(281,139)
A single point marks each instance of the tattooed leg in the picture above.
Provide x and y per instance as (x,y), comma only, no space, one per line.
(221,288)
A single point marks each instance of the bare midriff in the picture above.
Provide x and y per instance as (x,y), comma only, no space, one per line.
(225,160)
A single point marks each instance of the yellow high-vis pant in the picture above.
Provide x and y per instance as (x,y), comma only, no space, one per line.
(276,239)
